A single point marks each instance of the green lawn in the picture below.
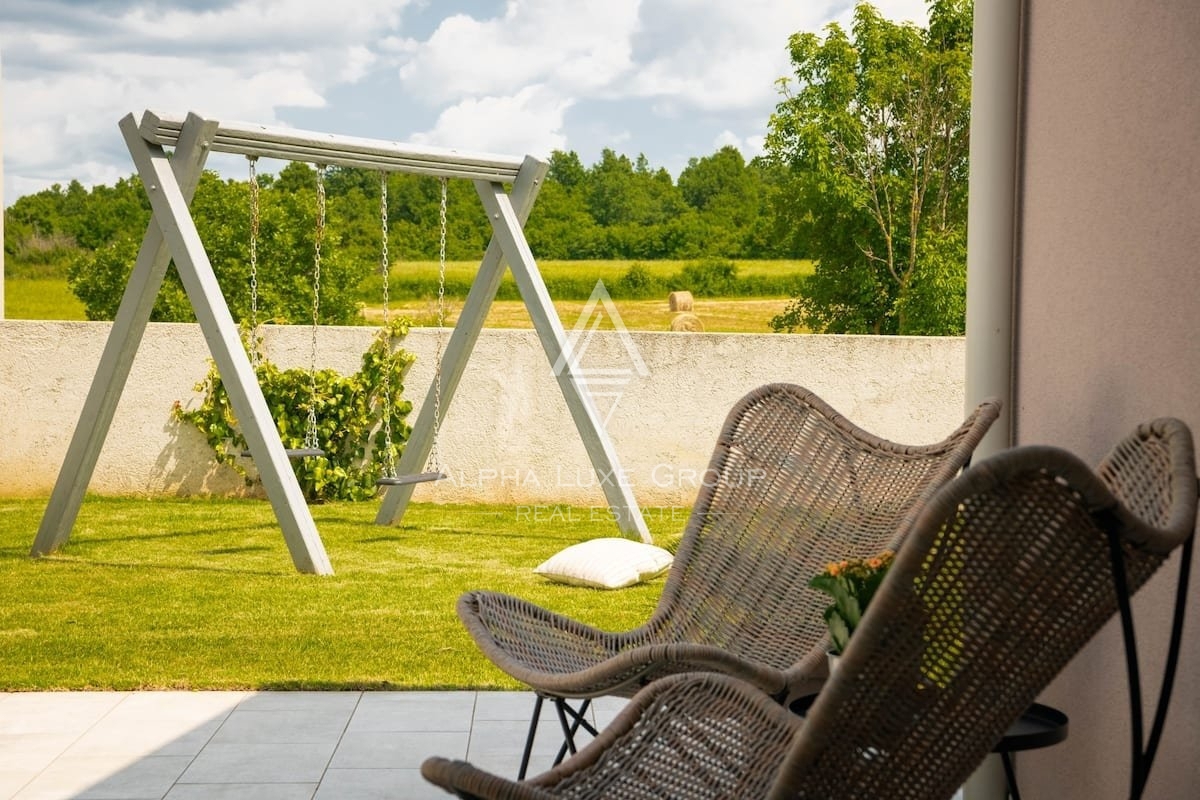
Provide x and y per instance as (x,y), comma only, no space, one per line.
(40,298)
(202,594)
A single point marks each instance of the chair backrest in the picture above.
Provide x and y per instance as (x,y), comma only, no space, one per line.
(793,485)
(1006,574)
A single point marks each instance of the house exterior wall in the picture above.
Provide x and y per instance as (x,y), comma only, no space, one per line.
(1107,294)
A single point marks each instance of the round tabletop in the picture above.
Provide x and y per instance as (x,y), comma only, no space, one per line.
(1038,726)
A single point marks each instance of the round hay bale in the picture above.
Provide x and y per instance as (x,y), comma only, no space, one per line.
(687,323)
(680,301)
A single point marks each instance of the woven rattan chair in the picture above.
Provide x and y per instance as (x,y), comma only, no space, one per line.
(1007,573)
(792,485)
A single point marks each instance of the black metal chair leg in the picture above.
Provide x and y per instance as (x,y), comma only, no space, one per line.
(569,730)
(533,725)
(1010,776)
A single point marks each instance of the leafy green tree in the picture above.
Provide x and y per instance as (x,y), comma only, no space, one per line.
(874,134)
(729,197)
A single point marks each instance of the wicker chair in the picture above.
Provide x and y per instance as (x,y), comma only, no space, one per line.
(1008,571)
(791,486)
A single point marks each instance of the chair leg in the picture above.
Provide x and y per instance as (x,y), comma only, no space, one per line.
(533,724)
(571,728)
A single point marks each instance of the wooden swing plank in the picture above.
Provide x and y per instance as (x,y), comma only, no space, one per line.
(294,452)
(408,480)
(289,144)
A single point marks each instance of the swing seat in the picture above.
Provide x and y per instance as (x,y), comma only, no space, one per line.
(296,452)
(405,480)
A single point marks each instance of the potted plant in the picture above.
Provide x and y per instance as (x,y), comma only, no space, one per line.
(851,583)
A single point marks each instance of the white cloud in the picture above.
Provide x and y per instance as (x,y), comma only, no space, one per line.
(66,87)
(528,122)
(574,46)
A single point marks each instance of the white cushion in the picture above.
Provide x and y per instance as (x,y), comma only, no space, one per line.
(609,563)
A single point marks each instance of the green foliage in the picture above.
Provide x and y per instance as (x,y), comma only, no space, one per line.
(712,277)
(873,138)
(349,411)
(852,584)
(98,279)
(637,283)
(618,208)
(640,280)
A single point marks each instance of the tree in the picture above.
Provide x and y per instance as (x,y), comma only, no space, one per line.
(873,134)
(221,211)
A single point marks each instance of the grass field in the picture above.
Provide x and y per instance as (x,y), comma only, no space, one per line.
(727,315)
(607,270)
(49,298)
(40,298)
(201,594)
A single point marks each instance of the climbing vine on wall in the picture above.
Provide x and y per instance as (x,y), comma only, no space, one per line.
(349,411)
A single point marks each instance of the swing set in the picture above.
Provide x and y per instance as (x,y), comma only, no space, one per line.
(170,180)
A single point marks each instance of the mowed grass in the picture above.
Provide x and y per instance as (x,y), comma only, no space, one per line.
(201,594)
(40,298)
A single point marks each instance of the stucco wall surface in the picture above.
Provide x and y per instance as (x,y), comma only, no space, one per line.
(1108,291)
(508,437)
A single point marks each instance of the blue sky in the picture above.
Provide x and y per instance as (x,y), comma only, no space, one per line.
(673,79)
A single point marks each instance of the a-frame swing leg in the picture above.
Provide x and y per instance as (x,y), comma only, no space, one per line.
(123,340)
(507,214)
(599,447)
(171,225)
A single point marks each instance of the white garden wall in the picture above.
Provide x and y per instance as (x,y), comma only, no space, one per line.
(508,437)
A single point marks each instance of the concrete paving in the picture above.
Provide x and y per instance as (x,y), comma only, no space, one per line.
(259,745)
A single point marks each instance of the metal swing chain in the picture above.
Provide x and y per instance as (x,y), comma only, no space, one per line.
(310,433)
(434,456)
(255,355)
(389,453)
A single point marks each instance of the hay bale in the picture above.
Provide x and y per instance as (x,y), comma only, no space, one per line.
(680,301)
(687,323)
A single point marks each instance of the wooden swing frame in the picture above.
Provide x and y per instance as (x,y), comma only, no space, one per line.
(170,180)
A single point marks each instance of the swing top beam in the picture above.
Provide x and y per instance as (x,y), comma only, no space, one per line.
(289,144)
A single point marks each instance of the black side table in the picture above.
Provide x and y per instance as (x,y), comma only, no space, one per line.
(1040,726)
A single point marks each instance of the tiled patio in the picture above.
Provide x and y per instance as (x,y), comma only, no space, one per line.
(258,745)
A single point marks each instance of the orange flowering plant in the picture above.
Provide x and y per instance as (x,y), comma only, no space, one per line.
(851,583)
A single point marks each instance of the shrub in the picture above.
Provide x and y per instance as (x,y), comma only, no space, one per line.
(712,277)
(349,411)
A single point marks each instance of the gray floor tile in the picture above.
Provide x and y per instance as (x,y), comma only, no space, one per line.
(396,749)
(506,705)
(377,784)
(413,711)
(56,712)
(32,751)
(299,725)
(102,778)
(14,780)
(259,763)
(255,745)
(287,701)
(242,791)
